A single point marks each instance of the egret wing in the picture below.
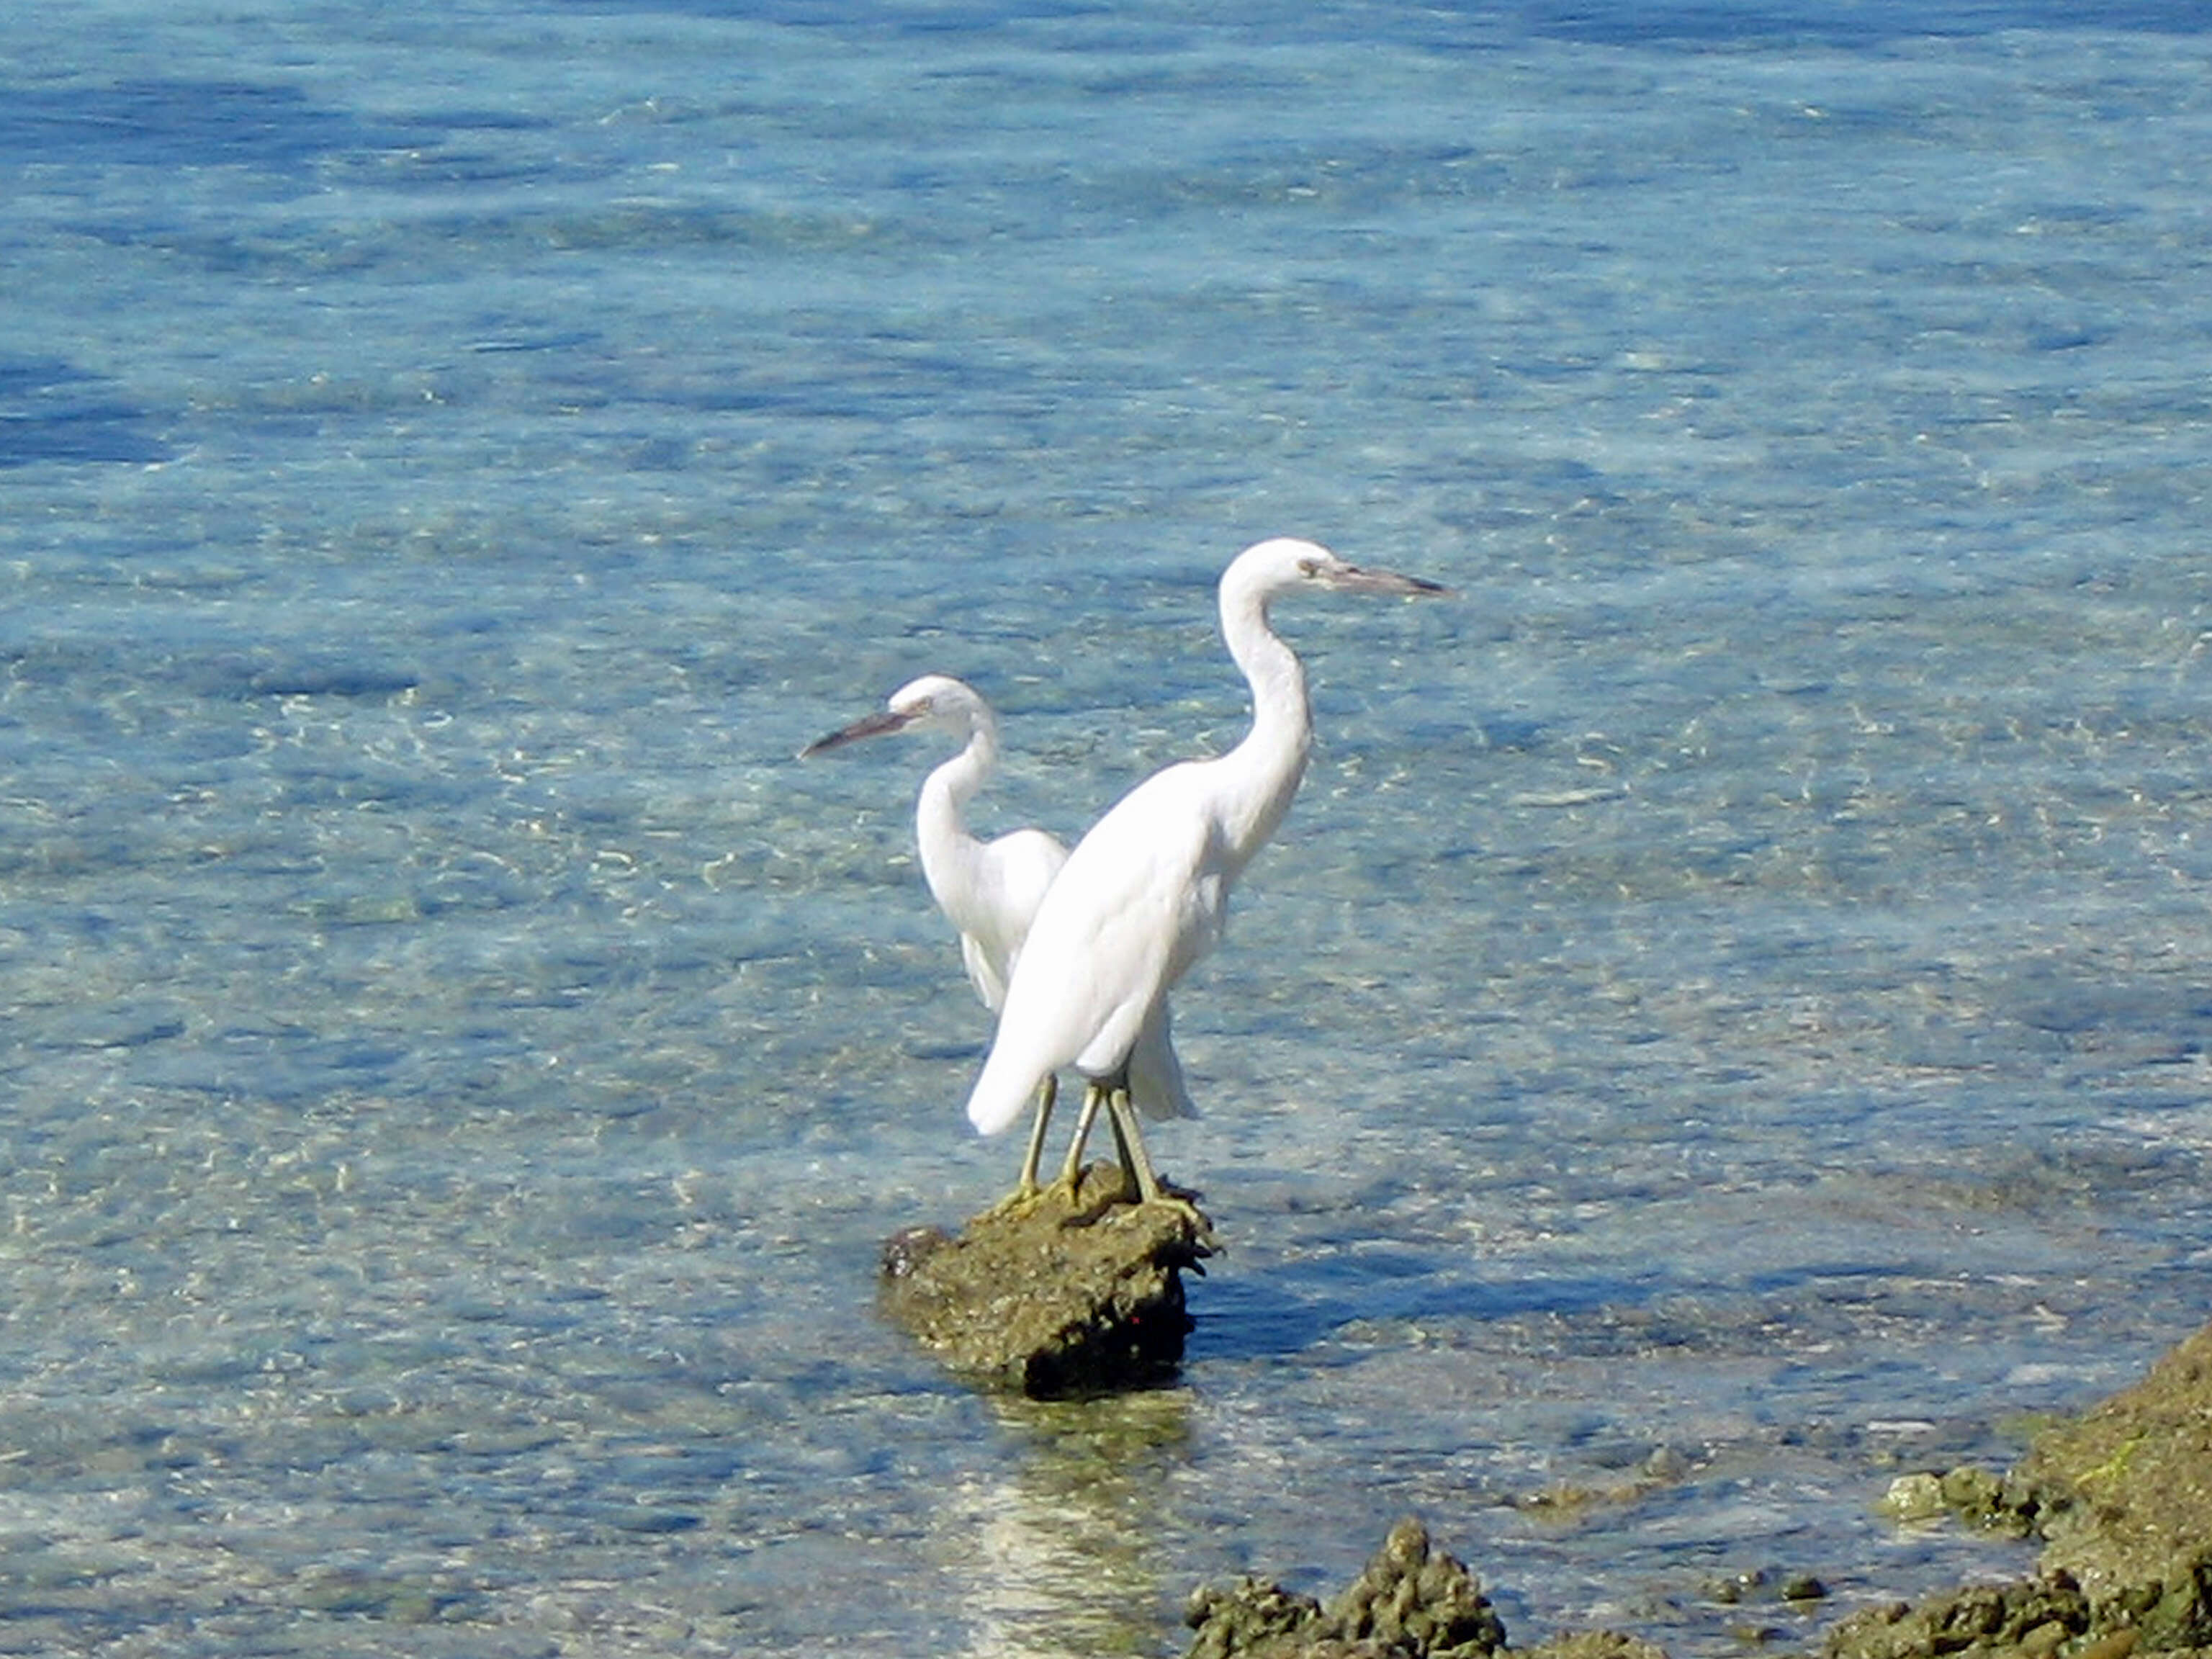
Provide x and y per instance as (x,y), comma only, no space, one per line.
(1012,875)
(1100,952)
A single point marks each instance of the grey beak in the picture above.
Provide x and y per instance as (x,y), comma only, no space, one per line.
(1356,580)
(873,726)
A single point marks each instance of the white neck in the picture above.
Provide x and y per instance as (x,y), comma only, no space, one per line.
(1267,768)
(948,851)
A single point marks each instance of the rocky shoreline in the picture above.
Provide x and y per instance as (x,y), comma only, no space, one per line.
(1073,1292)
(2121,1497)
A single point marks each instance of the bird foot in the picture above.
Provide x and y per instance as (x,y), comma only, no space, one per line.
(1022,1201)
(1175,1194)
(1107,1188)
(1201,1224)
(1114,1188)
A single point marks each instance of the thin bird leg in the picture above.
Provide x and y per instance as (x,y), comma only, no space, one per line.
(1139,1184)
(1071,1173)
(1137,1163)
(1048,1091)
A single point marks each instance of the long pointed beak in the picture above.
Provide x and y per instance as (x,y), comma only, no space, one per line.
(1354,579)
(873,726)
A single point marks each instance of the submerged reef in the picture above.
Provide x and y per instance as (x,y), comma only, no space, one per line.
(2121,1497)
(1073,1293)
(1069,1293)
(1411,1599)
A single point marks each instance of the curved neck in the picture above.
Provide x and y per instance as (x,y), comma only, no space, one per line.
(940,825)
(1271,762)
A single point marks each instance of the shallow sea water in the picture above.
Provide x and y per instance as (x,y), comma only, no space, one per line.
(1724,1022)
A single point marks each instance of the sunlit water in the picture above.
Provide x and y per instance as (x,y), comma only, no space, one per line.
(1725,1021)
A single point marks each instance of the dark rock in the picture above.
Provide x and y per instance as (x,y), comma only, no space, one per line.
(904,1252)
(1412,1601)
(1072,1294)
(1765,1583)
(1984,1619)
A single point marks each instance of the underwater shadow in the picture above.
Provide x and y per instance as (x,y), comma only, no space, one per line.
(53,411)
(1694,25)
(1270,1317)
(174,124)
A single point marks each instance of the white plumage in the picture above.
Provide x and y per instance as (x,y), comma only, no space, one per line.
(1145,894)
(990,889)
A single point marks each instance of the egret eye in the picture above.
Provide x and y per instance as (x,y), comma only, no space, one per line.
(1309,567)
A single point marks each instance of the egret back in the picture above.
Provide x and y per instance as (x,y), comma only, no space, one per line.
(1006,881)
(1135,905)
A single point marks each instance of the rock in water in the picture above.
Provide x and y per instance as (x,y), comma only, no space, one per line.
(2121,1498)
(1069,1295)
(1419,1598)
(1414,1601)
(2124,1497)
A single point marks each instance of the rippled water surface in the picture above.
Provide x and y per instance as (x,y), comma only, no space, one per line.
(1724,1022)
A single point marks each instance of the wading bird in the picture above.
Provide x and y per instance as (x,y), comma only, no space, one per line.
(989,891)
(1145,894)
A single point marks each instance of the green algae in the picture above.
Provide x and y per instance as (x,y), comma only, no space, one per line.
(1071,1294)
(2121,1497)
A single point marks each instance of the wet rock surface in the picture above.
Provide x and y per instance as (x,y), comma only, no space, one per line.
(2122,1496)
(2037,1618)
(1414,1601)
(1071,1294)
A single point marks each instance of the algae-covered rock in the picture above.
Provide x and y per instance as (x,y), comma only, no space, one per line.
(2123,1496)
(1594,1645)
(1073,1293)
(1914,1497)
(1419,1598)
(1412,1601)
(1253,1618)
(2032,1618)
(1990,1503)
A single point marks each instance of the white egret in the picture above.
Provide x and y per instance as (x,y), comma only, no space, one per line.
(1144,894)
(989,891)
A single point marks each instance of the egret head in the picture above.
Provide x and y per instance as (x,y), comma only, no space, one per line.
(933,702)
(1285,564)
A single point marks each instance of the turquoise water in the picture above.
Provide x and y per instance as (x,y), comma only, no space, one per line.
(1724,1022)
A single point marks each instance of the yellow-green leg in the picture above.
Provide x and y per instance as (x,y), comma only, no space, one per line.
(1071,1172)
(1048,1091)
(1139,1184)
